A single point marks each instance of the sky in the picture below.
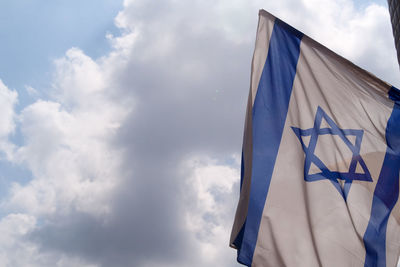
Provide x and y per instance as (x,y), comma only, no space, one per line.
(121,122)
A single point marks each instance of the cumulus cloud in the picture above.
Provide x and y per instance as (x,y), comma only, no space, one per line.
(8,99)
(210,207)
(134,156)
(66,146)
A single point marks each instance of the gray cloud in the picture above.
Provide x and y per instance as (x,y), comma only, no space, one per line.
(188,100)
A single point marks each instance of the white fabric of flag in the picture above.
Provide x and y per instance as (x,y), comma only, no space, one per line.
(320,161)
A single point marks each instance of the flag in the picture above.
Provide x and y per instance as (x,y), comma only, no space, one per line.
(320,160)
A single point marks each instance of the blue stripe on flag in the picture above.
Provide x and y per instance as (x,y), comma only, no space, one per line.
(386,191)
(269,115)
(238,240)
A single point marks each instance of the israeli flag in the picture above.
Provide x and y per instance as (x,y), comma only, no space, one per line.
(321,159)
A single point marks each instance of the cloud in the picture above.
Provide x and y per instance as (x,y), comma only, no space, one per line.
(8,100)
(134,156)
(66,145)
(210,208)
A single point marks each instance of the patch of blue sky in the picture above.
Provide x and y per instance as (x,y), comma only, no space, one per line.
(35,32)
(232,161)
(12,173)
(16,137)
(361,4)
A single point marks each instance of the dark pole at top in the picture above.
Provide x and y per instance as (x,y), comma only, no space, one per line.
(394,10)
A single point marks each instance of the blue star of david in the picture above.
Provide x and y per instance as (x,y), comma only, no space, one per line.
(310,157)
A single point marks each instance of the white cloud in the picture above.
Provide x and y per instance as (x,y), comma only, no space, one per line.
(16,250)
(211,197)
(67,142)
(8,99)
